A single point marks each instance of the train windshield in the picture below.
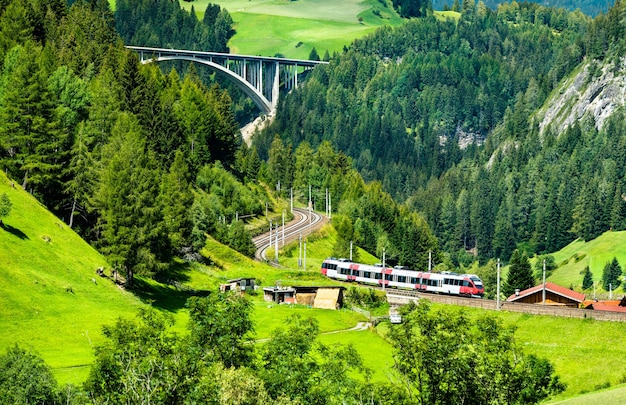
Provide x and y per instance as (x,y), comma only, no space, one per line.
(476,281)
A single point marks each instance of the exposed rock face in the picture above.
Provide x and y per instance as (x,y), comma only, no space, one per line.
(582,95)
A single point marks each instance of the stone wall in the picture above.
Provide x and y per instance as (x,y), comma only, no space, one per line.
(400,297)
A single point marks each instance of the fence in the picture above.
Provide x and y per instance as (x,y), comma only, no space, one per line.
(399,297)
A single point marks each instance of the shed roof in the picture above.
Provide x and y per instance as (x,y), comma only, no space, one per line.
(600,306)
(554,288)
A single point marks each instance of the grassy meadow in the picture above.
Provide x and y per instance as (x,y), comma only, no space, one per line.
(293,28)
(573,258)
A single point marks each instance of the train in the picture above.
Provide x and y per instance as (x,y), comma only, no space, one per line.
(402,277)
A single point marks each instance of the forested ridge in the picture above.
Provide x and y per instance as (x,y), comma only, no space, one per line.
(589,7)
(125,154)
(401,102)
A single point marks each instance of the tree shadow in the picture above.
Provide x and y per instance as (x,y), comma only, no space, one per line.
(14,231)
(169,297)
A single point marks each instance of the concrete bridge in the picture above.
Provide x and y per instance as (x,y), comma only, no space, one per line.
(258,76)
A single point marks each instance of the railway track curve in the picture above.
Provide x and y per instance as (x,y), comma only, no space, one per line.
(304,223)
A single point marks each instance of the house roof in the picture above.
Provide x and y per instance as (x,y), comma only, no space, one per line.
(553,288)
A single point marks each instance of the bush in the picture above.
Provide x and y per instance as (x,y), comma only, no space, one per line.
(365,297)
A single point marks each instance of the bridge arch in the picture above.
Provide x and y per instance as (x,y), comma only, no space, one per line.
(265,105)
(257,76)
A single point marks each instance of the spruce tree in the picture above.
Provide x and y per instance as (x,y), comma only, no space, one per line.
(5,207)
(127,199)
(587,278)
(520,274)
(611,275)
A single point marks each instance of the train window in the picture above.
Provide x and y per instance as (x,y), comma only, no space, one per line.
(389,277)
(401,279)
(344,271)
(457,282)
(367,274)
(465,283)
(413,280)
(446,281)
(378,276)
(355,272)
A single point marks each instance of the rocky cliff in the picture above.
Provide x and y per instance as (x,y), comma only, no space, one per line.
(595,91)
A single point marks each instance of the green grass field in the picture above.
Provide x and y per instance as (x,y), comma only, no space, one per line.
(294,28)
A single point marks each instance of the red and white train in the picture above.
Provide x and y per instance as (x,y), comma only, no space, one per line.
(467,285)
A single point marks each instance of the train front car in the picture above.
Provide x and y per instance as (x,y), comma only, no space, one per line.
(472,286)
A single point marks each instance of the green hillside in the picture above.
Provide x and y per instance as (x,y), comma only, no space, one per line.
(573,258)
(49,302)
(292,29)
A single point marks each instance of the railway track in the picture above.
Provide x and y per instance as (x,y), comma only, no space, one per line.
(304,222)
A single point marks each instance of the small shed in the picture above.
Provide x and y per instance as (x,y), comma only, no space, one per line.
(610,305)
(330,297)
(555,295)
(279,295)
(327,297)
(239,284)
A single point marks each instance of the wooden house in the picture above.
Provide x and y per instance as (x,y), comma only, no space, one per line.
(555,295)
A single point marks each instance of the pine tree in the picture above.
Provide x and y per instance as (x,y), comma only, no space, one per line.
(612,275)
(587,278)
(520,275)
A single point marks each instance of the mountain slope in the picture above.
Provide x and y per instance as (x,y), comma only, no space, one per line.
(51,299)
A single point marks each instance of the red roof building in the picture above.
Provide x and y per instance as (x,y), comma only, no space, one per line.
(555,295)
(612,305)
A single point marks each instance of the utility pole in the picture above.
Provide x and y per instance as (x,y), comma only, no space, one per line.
(291,198)
(330,206)
(498,288)
(300,253)
(270,233)
(276,243)
(430,261)
(326,203)
(304,264)
(544,281)
(350,250)
(283,227)
(383,274)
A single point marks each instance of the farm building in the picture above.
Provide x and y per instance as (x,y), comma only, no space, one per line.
(238,284)
(279,295)
(316,297)
(555,295)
